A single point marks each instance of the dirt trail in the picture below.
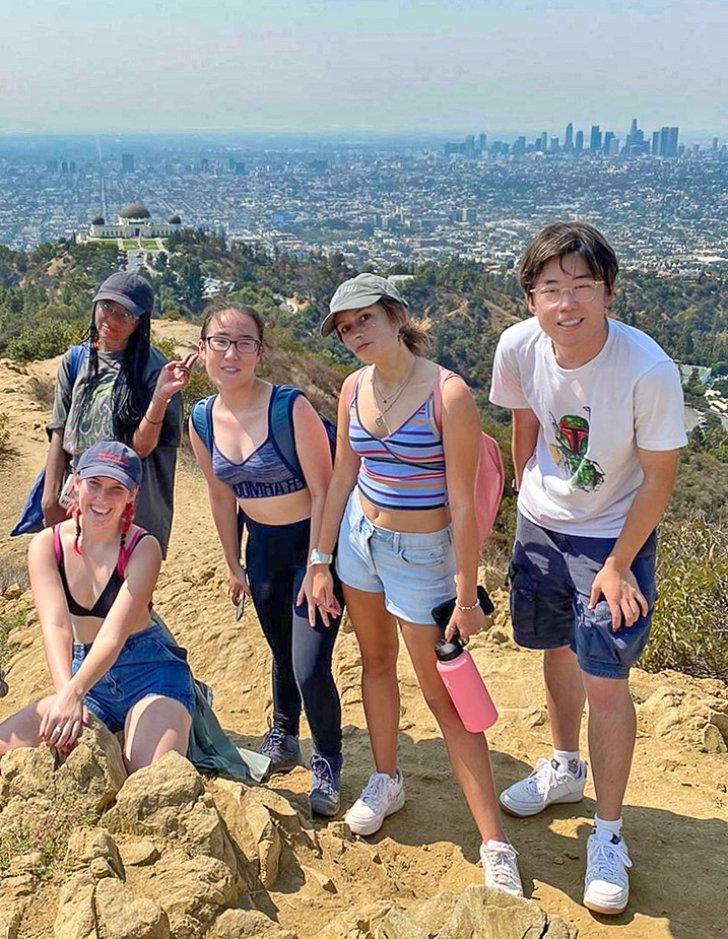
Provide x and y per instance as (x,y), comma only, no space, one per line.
(676,816)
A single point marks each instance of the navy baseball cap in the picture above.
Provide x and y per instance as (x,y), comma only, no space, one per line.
(133,292)
(113,459)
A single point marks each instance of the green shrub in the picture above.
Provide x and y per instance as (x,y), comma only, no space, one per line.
(4,434)
(7,624)
(165,346)
(199,386)
(690,626)
(43,341)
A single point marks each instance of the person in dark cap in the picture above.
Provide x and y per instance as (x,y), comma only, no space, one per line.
(117,386)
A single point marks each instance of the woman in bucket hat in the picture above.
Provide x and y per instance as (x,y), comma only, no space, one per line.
(109,655)
(400,505)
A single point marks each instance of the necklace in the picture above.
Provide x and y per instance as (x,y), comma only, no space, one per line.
(387,403)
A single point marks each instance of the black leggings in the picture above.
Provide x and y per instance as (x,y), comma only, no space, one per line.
(275,558)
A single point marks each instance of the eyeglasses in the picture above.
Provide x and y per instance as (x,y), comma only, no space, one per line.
(222,344)
(111,309)
(550,297)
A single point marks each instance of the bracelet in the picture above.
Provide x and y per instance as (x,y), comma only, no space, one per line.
(164,400)
(150,421)
(464,608)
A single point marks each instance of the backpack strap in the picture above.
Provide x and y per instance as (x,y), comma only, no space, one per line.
(281,425)
(202,420)
(351,386)
(79,355)
(57,549)
(444,375)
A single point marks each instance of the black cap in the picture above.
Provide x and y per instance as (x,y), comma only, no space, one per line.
(133,292)
(447,651)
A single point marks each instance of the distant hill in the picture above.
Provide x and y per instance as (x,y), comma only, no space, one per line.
(44,305)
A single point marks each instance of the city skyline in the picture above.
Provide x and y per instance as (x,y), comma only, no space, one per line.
(354,66)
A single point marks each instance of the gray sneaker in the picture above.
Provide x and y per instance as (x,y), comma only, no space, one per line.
(325,794)
(282,750)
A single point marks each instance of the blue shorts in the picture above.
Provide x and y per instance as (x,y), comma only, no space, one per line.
(414,571)
(149,664)
(551,576)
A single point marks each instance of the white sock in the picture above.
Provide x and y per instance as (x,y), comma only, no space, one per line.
(568,761)
(607,830)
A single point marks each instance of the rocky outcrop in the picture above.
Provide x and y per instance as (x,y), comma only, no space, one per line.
(476,913)
(686,716)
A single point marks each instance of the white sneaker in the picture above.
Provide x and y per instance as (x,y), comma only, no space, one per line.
(606,885)
(545,785)
(382,795)
(501,867)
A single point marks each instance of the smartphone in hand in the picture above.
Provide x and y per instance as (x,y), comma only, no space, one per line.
(443,611)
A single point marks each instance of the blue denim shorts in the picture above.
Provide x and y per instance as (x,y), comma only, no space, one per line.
(149,663)
(414,571)
(551,576)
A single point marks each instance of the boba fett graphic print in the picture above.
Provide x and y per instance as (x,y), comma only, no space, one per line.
(569,451)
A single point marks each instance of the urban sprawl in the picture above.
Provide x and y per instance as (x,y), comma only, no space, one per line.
(663,204)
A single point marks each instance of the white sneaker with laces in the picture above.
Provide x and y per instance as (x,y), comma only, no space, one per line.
(546,785)
(501,867)
(606,885)
(382,795)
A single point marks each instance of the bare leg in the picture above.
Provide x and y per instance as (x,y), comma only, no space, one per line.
(152,728)
(468,752)
(612,731)
(565,696)
(22,729)
(376,633)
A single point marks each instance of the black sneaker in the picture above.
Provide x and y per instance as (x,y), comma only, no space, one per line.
(282,750)
(325,784)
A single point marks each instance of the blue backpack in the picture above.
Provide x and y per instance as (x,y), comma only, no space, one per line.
(281,424)
(31,516)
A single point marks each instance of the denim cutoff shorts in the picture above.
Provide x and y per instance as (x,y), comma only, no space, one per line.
(150,663)
(414,571)
(551,576)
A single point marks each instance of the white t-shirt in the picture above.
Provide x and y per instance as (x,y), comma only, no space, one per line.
(584,473)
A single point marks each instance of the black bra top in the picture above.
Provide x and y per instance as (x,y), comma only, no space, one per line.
(107,596)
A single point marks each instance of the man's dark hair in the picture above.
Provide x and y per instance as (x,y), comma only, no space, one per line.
(564,238)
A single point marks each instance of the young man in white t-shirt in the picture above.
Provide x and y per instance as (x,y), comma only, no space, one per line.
(597,426)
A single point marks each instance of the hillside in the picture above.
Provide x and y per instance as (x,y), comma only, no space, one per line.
(318,882)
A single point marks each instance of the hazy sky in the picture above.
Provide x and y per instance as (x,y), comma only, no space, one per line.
(371,65)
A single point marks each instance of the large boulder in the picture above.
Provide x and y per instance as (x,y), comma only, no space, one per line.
(480,913)
(192,891)
(90,908)
(42,800)
(167,801)
(247,924)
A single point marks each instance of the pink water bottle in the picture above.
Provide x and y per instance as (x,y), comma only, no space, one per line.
(465,686)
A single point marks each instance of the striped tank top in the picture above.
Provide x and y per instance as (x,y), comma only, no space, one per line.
(405,469)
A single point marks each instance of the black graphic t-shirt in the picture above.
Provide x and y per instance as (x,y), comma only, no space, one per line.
(87,421)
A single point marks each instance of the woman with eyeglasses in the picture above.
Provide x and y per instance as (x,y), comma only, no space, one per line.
(117,386)
(240,452)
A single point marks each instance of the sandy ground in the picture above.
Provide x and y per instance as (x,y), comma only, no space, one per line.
(676,813)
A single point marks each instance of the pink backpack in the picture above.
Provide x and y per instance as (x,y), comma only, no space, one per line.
(490,475)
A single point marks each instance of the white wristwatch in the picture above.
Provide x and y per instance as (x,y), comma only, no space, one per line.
(319,557)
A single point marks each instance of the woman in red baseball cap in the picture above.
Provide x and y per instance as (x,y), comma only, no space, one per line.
(108,653)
